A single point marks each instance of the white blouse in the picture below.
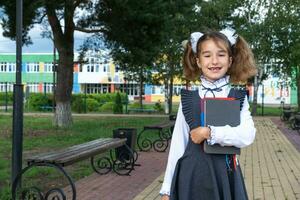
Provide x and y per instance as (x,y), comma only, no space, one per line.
(240,136)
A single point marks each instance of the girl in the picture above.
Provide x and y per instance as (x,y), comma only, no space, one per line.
(222,60)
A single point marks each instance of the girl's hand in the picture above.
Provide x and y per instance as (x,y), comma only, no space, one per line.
(200,134)
(165,197)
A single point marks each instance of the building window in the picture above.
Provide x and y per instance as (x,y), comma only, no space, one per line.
(33,87)
(3,66)
(11,67)
(6,87)
(97,68)
(92,68)
(48,67)
(96,88)
(33,67)
(48,87)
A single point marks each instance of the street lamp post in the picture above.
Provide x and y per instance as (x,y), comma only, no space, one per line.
(17,135)
(6,97)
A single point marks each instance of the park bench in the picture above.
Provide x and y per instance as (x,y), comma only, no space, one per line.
(164,130)
(122,164)
(141,110)
(46,108)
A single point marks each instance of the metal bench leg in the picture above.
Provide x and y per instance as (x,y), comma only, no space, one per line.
(34,192)
(102,165)
(143,144)
(161,144)
(125,162)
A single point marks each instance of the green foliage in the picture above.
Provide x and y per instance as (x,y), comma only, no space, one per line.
(118,106)
(92,104)
(158,107)
(95,102)
(107,107)
(3,98)
(78,103)
(37,100)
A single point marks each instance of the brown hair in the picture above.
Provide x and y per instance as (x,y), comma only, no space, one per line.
(243,64)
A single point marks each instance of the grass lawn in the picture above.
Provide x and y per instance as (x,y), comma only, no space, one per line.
(40,136)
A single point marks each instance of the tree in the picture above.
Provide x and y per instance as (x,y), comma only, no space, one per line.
(60,16)
(284,30)
(138,23)
(133,31)
(250,22)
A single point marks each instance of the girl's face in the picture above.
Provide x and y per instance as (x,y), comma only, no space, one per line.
(213,60)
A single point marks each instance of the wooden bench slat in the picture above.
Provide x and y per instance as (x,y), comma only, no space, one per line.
(78,152)
(71,149)
(88,153)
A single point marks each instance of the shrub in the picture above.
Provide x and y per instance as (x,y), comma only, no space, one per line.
(37,100)
(78,103)
(158,107)
(118,106)
(107,107)
(3,98)
(92,104)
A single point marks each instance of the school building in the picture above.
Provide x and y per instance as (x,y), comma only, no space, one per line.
(98,74)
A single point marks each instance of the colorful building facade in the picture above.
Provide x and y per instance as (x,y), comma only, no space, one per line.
(98,74)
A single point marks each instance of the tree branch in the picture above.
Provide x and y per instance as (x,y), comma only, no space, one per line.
(55,25)
(77,3)
(41,19)
(89,30)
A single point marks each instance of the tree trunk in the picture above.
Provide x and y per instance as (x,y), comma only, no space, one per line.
(141,89)
(63,113)
(63,37)
(171,89)
(167,111)
(254,103)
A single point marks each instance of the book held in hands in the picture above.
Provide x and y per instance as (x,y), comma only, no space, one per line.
(220,112)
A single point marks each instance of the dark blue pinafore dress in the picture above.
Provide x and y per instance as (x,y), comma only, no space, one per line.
(201,176)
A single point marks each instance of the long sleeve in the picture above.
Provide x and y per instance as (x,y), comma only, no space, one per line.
(240,136)
(177,148)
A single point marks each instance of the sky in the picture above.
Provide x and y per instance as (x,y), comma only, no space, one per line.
(40,44)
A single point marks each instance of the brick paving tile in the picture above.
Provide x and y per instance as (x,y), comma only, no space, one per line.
(115,187)
(271,168)
(292,135)
(271,165)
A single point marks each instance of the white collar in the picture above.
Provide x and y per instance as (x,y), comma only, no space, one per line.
(218,83)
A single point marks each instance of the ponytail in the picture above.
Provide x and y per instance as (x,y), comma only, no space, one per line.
(190,67)
(243,65)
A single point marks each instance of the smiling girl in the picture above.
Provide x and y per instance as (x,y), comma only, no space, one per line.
(221,61)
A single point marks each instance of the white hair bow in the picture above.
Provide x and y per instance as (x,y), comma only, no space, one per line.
(228,32)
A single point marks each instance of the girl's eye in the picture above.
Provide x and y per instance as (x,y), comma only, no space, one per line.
(206,55)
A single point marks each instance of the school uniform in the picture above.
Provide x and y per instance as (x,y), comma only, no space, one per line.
(192,174)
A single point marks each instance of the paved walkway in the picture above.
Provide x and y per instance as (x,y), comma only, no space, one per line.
(271,166)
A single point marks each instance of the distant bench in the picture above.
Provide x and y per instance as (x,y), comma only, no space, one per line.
(46,108)
(122,164)
(141,110)
(164,129)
